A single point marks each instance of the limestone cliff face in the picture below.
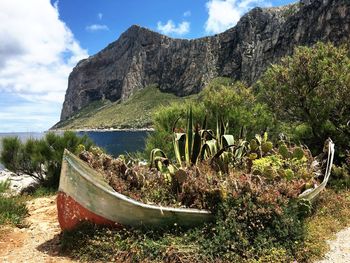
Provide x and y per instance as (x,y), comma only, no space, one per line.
(141,57)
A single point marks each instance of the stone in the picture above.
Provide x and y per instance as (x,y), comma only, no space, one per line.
(141,57)
(19,183)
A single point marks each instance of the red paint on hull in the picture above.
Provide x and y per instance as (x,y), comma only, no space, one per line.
(71,214)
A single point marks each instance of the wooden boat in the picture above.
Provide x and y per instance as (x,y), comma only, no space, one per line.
(84,196)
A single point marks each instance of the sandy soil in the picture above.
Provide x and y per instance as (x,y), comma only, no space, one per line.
(39,240)
(340,248)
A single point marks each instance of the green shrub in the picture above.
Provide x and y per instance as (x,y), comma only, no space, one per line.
(52,149)
(10,154)
(41,158)
(254,225)
(44,191)
(340,177)
(308,91)
(236,103)
(12,211)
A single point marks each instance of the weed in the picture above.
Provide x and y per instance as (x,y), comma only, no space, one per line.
(12,209)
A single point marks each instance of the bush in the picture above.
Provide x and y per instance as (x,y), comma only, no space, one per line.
(308,90)
(41,158)
(53,147)
(257,218)
(236,103)
(10,156)
(340,177)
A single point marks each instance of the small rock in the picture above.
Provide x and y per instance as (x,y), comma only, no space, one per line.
(19,183)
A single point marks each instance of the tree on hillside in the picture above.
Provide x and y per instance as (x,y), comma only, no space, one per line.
(311,89)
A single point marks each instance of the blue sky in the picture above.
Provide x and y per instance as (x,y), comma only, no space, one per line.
(42,40)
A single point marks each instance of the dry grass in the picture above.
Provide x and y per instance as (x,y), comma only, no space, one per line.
(332,214)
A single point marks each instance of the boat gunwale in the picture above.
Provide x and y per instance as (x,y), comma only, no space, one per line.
(311,194)
(124,197)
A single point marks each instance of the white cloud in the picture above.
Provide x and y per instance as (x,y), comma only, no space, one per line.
(187,13)
(37,53)
(97,27)
(170,28)
(26,117)
(100,15)
(224,14)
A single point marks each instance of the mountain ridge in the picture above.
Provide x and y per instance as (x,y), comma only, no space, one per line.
(141,57)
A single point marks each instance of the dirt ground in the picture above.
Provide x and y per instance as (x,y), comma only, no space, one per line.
(39,240)
(339,248)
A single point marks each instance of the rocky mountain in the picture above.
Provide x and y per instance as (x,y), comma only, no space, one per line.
(141,57)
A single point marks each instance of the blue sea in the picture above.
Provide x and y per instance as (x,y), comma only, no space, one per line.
(114,142)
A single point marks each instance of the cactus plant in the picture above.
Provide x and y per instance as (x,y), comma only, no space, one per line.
(261,145)
(266,147)
(283,151)
(298,153)
(289,174)
(253,156)
(253,145)
(269,172)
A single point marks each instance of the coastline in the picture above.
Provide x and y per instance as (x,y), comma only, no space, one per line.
(103,130)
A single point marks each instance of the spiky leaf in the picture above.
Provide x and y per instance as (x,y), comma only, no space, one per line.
(189,137)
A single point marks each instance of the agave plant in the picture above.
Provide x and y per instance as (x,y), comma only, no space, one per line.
(197,144)
(159,160)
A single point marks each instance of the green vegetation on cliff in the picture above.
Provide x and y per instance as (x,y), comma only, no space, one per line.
(135,112)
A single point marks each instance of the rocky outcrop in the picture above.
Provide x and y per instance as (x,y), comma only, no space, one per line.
(141,57)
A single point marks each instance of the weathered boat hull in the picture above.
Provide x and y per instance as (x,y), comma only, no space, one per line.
(71,213)
(84,195)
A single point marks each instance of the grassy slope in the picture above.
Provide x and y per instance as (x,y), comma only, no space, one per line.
(135,112)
